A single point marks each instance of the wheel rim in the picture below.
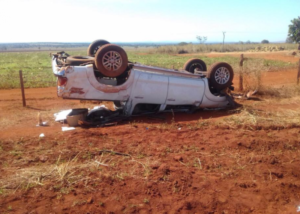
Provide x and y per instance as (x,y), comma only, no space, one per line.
(112,60)
(222,75)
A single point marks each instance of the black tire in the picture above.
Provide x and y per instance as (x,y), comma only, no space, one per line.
(98,114)
(111,60)
(95,45)
(193,64)
(118,104)
(220,75)
(78,60)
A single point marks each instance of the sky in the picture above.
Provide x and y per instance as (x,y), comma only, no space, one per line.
(146,20)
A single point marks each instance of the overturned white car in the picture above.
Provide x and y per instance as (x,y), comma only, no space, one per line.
(106,74)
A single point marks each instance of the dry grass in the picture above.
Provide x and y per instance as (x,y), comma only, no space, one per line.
(251,116)
(200,48)
(26,178)
(69,173)
(282,92)
(243,116)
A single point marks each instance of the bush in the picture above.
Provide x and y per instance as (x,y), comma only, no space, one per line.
(182,52)
(265,41)
(182,43)
(294,30)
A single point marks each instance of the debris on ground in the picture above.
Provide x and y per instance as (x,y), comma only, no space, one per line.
(43,124)
(101,116)
(62,115)
(247,95)
(98,116)
(67,128)
(100,107)
(76,115)
(40,120)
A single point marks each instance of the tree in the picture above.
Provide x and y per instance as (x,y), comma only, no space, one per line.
(182,43)
(223,39)
(294,30)
(265,41)
(201,39)
(289,40)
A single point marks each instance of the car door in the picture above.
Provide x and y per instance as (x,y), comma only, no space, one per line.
(150,88)
(185,91)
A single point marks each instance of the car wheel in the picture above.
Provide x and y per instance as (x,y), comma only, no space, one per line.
(94,46)
(111,60)
(220,75)
(78,60)
(193,65)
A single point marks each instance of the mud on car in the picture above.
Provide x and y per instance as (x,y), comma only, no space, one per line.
(106,74)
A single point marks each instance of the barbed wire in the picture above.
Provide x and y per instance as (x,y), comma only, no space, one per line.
(38,79)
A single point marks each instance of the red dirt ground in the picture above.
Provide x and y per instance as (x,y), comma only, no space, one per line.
(186,164)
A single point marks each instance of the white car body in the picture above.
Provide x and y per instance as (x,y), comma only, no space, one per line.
(145,85)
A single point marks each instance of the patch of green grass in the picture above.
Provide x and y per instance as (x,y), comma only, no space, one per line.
(171,61)
(276,64)
(37,70)
(254,64)
(198,48)
(36,67)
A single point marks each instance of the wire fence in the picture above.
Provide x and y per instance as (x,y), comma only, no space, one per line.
(38,79)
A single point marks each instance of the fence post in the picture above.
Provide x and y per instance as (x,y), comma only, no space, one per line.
(241,79)
(298,76)
(22,88)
